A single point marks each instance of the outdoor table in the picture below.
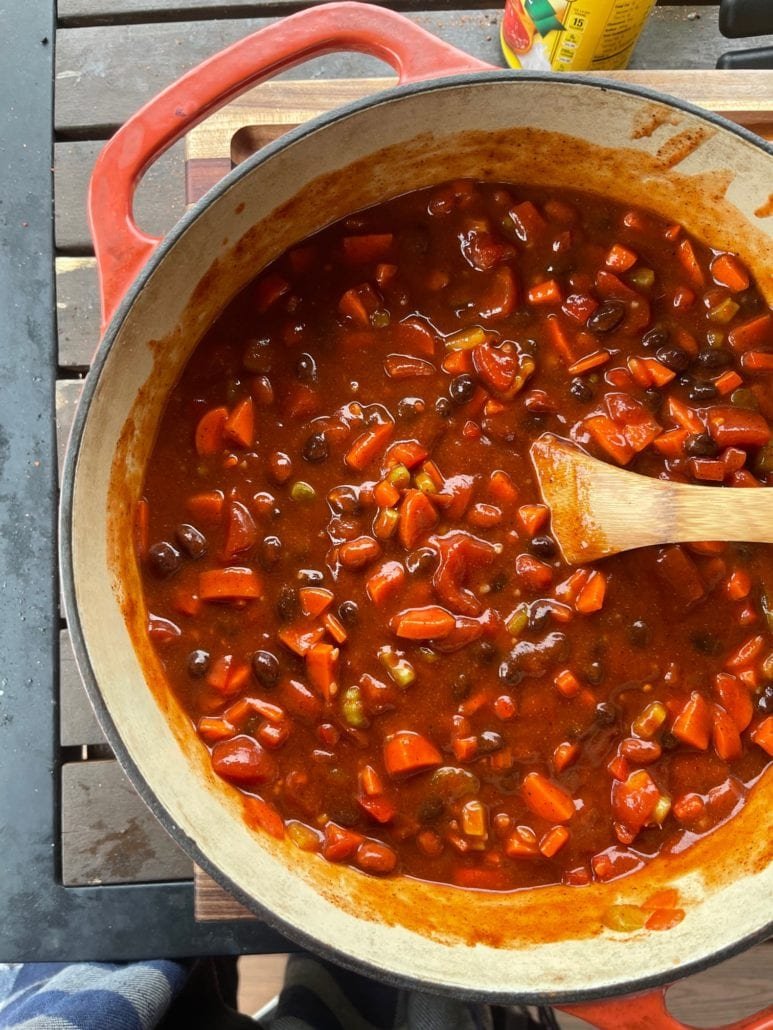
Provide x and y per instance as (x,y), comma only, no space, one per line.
(85,870)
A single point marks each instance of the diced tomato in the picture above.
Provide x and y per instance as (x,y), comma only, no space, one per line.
(693,723)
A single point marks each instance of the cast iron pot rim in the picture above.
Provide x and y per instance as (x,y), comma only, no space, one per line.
(636,985)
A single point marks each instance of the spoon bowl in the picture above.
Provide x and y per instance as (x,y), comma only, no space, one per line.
(598,510)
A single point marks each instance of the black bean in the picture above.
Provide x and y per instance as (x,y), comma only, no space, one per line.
(421,560)
(607,317)
(639,633)
(287,603)
(486,652)
(316,448)
(430,810)
(197,663)
(349,613)
(191,540)
(270,552)
(498,582)
(544,546)
(668,741)
(306,369)
(461,687)
(265,668)
(594,673)
(164,559)
(581,390)
(489,741)
(653,398)
(257,356)
(606,713)
(409,408)
(344,812)
(443,407)
(673,357)
(658,336)
(700,445)
(765,700)
(311,577)
(461,388)
(702,391)
(706,643)
(539,614)
(510,672)
(715,357)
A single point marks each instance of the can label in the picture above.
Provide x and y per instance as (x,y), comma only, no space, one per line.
(572,35)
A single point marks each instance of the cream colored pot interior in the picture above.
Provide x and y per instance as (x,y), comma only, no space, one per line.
(628,147)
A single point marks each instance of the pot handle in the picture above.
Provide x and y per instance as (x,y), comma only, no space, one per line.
(650,1012)
(121,247)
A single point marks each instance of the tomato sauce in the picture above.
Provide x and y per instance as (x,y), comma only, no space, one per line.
(349,572)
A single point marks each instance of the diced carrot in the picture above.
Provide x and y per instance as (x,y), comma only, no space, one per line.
(532,517)
(482,879)
(536,575)
(227,676)
(385,273)
(707,470)
(378,807)
(684,298)
(141,527)
(671,443)
(591,596)
(610,438)
(299,637)
(501,488)
(417,517)
(268,291)
(367,447)
(405,452)
(757,361)
(673,232)
(546,799)
(212,728)
(186,603)
(738,585)
(359,303)
(620,258)
(725,735)
(407,366)
(743,478)
(560,339)
(340,843)
(659,374)
(386,494)
(734,427)
(415,336)
(362,249)
(689,262)
(241,533)
(385,582)
(666,898)
(751,334)
(206,507)
(335,627)
(301,402)
(230,584)
(590,361)
(321,668)
(762,735)
(728,271)
(693,723)
(240,424)
(567,683)
(259,813)
(210,432)
(580,306)
(746,653)
(522,843)
(315,600)
(619,767)
(727,382)
(429,623)
(735,699)
(664,919)
(564,755)
(552,842)
(457,362)
(548,292)
(683,416)
(430,469)
(407,752)
(569,590)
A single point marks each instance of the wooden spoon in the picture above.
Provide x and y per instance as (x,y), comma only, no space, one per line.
(598,510)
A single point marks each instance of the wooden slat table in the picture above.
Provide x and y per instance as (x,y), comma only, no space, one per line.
(112,56)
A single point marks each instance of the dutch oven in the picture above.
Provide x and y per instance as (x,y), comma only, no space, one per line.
(450,117)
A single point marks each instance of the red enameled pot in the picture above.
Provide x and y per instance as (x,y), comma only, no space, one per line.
(451,116)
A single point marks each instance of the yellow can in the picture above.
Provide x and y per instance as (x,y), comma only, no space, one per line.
(572,35)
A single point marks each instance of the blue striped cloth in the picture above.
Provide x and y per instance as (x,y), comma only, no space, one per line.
(88,995)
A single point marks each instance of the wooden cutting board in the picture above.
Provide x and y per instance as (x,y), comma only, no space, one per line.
(266,112)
